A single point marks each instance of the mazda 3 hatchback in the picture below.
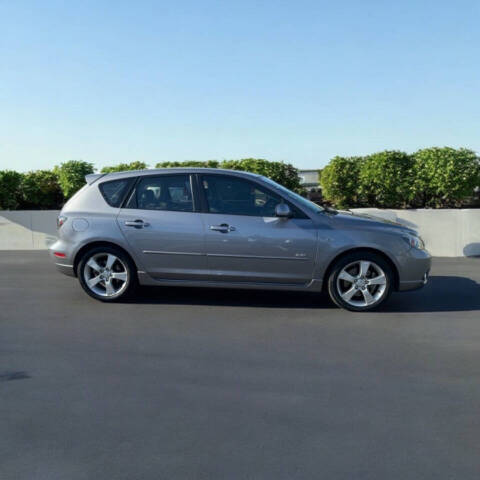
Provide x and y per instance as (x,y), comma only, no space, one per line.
(219,228)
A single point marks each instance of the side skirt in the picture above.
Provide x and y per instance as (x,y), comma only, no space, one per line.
(314,285)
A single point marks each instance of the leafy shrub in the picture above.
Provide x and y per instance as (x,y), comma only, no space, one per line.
(444,177)
(339,181)
(10,189)
(320,170)
(71,176)
(40,190)
(384,179)
(189,163)
(121,167)
(432,177)
(283,173)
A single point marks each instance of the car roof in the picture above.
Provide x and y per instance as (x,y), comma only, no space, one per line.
(162,171)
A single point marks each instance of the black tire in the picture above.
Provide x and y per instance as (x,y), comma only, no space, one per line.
(361,291)
(122,264)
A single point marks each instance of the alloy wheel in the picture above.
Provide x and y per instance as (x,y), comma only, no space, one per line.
(361,283)
(105,274)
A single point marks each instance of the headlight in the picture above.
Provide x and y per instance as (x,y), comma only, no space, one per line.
(414,241)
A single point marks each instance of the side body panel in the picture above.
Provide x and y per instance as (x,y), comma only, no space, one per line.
(260,249)
(171,246)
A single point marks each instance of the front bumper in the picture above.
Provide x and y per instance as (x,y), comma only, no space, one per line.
(415,270)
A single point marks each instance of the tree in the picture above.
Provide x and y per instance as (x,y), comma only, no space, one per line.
(283,173)
(40,190)
(10,193)
(71,176)
(339,181)
(189,163)
(444,177)
(121,167)
(385,179)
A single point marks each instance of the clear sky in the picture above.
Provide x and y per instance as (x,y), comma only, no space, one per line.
(300,81)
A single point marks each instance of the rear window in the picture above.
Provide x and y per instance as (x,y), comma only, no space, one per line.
(115,191)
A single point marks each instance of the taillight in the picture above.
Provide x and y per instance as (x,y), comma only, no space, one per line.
(59,254)
(61,220)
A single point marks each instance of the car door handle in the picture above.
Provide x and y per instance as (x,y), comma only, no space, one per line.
(224,228)
(136,223)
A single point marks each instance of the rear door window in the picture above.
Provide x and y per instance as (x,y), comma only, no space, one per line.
(165,192)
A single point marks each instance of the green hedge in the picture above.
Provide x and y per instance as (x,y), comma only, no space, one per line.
(432,177)
(384,179)
(189,163)
(10,189)
(339,181)
(280,172)
(122,167)
(71,176)
(283,173)
(40,190)
(45,189)
(443,177)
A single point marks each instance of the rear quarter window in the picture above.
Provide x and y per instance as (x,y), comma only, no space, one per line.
(115,191)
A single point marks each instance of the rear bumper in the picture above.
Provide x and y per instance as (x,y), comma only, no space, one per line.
(65,264)
(65,269)
(415,270)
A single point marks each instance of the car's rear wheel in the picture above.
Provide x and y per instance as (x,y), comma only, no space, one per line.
(107,274)
(360,281)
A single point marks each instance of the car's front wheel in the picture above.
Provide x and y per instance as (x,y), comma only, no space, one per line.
(107,274)
(360,281)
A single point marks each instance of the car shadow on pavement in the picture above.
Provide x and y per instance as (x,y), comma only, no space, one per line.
(229,297)
(441,294)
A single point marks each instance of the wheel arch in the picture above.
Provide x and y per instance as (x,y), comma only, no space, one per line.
(393,266)
(99,243)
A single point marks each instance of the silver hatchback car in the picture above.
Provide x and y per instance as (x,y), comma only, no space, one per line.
(220,228)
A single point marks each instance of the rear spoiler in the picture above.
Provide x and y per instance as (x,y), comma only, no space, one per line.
(93,177)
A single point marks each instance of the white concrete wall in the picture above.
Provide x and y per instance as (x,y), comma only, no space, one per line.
(27,229)
(447,233)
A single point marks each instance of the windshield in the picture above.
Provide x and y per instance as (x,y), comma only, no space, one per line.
(312,207)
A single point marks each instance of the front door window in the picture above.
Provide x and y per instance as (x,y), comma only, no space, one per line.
(236,196)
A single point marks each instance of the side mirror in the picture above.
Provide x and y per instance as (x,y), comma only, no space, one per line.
(282,210)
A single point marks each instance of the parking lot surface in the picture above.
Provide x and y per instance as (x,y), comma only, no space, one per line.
(222,384)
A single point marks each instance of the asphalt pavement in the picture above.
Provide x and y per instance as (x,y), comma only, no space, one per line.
(228,384)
